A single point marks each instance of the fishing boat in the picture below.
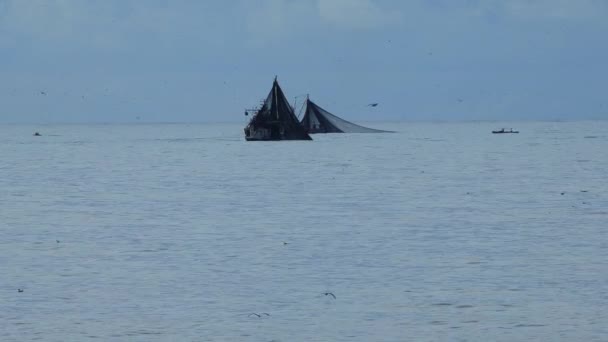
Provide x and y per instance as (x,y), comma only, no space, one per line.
(275,120)
(501,131)
(318,120)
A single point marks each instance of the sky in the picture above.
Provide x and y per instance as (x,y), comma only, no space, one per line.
(81,61)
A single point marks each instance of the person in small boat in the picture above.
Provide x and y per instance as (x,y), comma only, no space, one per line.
(37,134)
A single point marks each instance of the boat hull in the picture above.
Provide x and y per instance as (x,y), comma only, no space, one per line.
(271,134)
(260,139)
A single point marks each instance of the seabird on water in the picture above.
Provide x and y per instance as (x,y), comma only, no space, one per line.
(330,294)
(258,315)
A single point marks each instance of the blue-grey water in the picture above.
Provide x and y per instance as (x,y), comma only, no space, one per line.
(440,232)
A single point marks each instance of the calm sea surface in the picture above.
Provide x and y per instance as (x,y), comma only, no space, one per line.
(440,232)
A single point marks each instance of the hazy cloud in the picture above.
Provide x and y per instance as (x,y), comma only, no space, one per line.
(357,14)
(164,60)
(563,9)
(268,19)
(527,9)
(105,24)
(53,18)
(271,19)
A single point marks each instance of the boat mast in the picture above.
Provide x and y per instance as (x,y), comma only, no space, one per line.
(276,101)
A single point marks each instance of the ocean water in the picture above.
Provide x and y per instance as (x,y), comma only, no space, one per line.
(171,232)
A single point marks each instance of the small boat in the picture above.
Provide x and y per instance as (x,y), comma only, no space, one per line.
(505,131)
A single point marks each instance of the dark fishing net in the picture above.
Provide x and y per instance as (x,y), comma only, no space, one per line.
(318,120)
